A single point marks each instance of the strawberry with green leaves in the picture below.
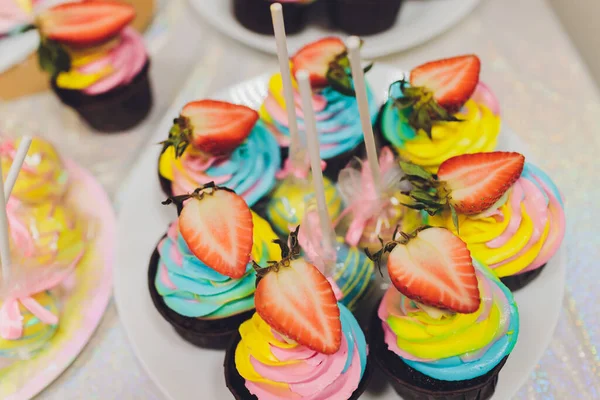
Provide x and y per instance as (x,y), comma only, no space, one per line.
(216,224)
(433,267)
(468,184)
(296,300)
(437,90)
(211,126)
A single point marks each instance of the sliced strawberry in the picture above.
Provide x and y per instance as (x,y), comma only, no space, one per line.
(315,58)
(217,226)
(218,127)
(85,23)
(297,301)
(477,181)
(452,80)
(435,268)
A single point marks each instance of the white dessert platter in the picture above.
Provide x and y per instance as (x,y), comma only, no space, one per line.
(181,370)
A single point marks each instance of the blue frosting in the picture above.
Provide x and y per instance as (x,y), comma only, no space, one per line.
(253,165)
(529,170)
(394,123)
(201,291)
(354,336)
(354,274)
(338,123)
(455,369)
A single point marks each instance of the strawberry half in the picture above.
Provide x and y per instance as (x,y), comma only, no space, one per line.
(315,57)
(214,127)
(296,300)
(477,181)
(85,23)
(452,80)
(434,267)
(217,226)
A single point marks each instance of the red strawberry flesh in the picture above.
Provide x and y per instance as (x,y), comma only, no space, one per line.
(85,23)
(298,302)
(452,80)
(477,181)
(218,230)
(435,268)
(315,58)
(219,127)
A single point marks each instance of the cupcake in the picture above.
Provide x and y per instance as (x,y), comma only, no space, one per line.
(300,343)
(255,15)
(508,211)
(447,325)
(200,277)
(98,68)
(336,109)
(225,143)
(363,17)
(435,116)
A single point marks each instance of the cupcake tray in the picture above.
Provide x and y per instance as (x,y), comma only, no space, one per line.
(181,370)
(418,22)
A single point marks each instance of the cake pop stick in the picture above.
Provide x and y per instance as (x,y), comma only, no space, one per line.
(315,159)
(358,75)
(4,238)
(15,168)
(295,154)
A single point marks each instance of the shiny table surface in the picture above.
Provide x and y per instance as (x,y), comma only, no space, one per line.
(547,97)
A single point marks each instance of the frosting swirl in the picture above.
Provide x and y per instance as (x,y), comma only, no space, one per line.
(338,122)
(277,368)
(99,69)
(193,289)
(452,346)
(249,170)
(476,132)
(521,232)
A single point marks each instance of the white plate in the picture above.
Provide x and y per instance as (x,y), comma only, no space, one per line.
(180,369)
(418,22)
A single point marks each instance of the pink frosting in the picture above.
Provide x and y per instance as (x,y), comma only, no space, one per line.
(12,16)
(483,94)
(127,60)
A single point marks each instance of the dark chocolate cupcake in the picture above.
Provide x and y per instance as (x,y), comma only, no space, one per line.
(336,110)
(256,15)
(519,281)
(204,286)
(364,17)
(310,346)
(232,147)
(99,69)
(448,336)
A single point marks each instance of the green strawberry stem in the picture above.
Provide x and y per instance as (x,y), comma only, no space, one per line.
(289,251)
(207,190)
(53,58)
(339,75)
(180,136)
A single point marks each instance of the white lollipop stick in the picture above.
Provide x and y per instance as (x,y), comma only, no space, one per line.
(4,241)
(286,77)
(15,168)
(360,87)
(312,142)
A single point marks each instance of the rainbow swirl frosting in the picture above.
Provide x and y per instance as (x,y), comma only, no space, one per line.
(193,289)
(353,274)
(476,132)
(99,69)
(43,176)
(452,346)
(338,122)
(249,170)
(288,201)
(14,14)
(521,232)
(37,328)
(277,368)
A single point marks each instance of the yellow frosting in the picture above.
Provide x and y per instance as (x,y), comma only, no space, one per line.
(476,132)
(276,92)
(263,237)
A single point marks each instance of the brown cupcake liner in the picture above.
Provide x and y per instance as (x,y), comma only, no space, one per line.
(411,384)
(116,110)
(255,15)
(519,281)
(364,17)
(213,334)
(237,385)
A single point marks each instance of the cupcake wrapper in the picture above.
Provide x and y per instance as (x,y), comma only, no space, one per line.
(410,384)
(364,17)
(519,281)
(213,334)
(256,15)
(237,385)
(117,110)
